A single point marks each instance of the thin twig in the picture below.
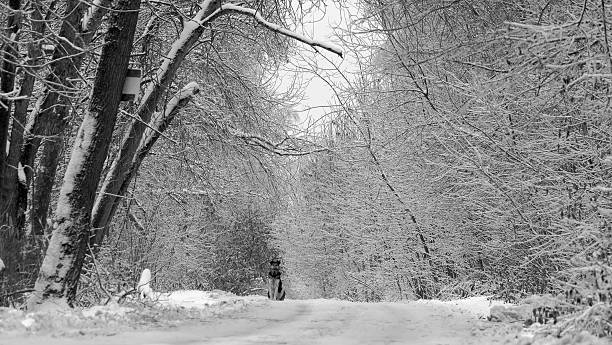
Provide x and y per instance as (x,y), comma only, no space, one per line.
(93,258)
(605,29)
(149,126)
(18,292)
(584,6)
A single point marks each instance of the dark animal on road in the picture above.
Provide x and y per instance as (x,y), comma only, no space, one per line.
(276,292)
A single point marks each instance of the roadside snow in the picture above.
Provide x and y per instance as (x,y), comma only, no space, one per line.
(106,310)
(188,299)
(162,311)
(479,307)
(201,299)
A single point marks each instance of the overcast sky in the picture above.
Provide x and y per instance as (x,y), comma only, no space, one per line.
(318,94)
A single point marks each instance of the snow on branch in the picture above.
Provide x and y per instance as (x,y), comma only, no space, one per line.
(283,148)
(190,33)
(279,29)
(288,146)
(162,120)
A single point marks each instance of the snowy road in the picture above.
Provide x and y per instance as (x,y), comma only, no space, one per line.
(310,322)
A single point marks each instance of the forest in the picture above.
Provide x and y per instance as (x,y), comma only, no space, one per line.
(467,150)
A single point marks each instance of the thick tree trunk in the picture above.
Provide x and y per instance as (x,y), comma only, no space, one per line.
(61,268)
(10,237)
(8,65)
(119,176)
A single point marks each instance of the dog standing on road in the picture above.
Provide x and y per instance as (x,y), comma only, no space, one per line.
(276,292)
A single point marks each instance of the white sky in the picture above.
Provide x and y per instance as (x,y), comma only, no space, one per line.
(318,95)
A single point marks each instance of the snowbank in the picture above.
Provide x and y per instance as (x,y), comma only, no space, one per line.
(159,310)
(188,299)
(477,306)
(201,299)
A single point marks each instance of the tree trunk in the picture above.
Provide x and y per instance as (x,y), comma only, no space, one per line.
(10,236)
(51,154)
(61,268)
(119,176)
(7,84)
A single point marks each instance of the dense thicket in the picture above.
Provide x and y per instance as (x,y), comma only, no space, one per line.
(471,154)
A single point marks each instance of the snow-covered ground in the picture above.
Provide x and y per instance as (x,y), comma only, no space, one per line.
(295,322)
(217,317)
(166,310)
(199,299)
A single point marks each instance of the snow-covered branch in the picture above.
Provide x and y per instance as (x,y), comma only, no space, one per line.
(161,120)
(190,34)
(279,148)
(279,29)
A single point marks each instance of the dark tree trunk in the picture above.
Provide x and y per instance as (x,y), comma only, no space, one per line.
(10,236)
(7,84)
(51,154)
(61,268)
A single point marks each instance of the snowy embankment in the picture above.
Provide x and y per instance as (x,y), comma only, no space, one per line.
(479,307)
(148,310)
(483,307)
(202,299)
(188,298)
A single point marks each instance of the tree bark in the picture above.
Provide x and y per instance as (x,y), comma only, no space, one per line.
(61,268)
(119,176)
(51,154)
(10,237)
(7,84)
